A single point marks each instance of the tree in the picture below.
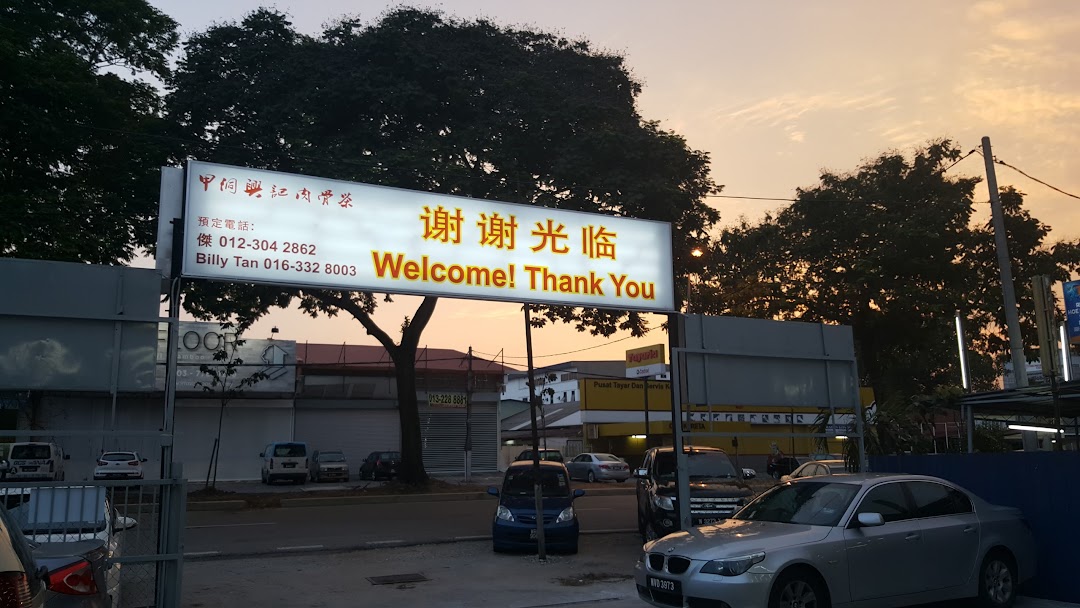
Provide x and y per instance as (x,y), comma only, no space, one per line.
(225,386)
(422,101)
(78,179)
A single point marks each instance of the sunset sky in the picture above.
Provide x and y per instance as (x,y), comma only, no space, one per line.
(774,92)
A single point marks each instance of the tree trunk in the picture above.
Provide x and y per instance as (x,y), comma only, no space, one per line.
(411,468)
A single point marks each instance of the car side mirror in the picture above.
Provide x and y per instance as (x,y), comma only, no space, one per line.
(579,493)
(785,478)
(871,520)
(493,491)
(124,523)
(641,473)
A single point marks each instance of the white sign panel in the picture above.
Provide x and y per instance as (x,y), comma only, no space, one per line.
(258,226)
(275,359)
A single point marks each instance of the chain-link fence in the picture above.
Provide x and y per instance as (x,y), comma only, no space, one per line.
(103,543)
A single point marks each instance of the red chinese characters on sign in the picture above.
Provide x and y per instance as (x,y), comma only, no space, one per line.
(440,225)
(550,237)
(227,224)
(254,188)
(216,223)
(497,231)
(325,196)
(204,221)
(276,192)
(304,194)
(597,242)
(346,200)
(228,185)
(206,179)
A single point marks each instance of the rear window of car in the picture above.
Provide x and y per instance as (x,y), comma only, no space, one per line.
(390,456)
(290,450)
(117,456)
(332,457)
(607,458)
(30,452)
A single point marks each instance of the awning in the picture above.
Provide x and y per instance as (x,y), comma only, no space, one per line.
(1028,401)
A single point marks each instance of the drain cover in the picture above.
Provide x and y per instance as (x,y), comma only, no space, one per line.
(397,579)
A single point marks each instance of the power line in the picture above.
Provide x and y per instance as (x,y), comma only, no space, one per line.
(647,330)
(1001,162)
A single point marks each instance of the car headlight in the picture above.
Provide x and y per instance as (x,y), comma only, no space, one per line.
(732,566)
(664,502)
(566,515)
(504,514)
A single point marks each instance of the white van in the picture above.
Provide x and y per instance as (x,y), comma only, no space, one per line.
(38,461)
(285,460)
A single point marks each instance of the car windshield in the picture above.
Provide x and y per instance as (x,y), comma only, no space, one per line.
(290,450)
(814,503)
(332,457)
(117,456)
(702,466)
(30,452)
(519,482)
(607,458)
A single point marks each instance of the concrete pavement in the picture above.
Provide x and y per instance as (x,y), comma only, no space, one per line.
(462,574)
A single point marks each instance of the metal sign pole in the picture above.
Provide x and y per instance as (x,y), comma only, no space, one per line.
(537,488)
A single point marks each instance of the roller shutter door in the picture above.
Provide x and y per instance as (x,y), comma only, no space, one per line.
(443,433)
(357,432)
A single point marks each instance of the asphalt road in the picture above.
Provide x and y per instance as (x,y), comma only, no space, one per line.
(225,533)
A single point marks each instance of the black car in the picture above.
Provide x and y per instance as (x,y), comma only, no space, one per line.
(717,489)
(549,455)
(380,465)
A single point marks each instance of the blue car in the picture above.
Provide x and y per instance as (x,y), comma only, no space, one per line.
(514,528)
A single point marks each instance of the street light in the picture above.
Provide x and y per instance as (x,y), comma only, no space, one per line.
(697,253)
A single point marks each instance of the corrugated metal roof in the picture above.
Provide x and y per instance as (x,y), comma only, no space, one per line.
(372,357)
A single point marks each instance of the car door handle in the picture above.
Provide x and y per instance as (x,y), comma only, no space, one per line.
(969,529)
(912,536)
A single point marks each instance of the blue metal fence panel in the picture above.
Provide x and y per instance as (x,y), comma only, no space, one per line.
(1041,484)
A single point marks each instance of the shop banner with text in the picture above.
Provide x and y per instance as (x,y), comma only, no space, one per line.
(255,226)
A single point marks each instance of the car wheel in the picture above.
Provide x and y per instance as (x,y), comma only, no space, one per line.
(797,590)
(997,581)
(591,478)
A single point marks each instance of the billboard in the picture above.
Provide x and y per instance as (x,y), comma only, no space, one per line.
(1072,311)
(255,226)
(199,341)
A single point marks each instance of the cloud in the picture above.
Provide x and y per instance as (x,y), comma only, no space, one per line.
(905,135)
(797,136)
(1019,105)
(790,107)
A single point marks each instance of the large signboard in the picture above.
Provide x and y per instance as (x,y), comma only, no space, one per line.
(1072,311)
(258,226)
(198,343)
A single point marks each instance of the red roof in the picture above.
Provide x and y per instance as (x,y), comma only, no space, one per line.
(362,357)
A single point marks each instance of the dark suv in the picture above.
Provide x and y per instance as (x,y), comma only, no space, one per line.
(380,465)
(717,490)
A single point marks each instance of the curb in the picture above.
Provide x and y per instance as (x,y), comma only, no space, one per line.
(336,501)
(368,546)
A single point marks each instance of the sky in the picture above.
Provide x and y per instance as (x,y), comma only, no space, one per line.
(775,92)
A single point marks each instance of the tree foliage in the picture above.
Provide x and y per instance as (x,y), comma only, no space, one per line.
(78,177)
(892,250)
(422,101)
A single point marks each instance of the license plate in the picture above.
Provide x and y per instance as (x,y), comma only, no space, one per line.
(532,534)
(29,469)
(707,521)
(664,585)
(289,465)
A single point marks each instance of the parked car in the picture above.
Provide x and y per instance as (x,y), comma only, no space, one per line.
(329,464)
(119,465)
(514,526)
(549,455)
(22,582)
(593,467)
(717,490)
(817,468)
(36,461)
(75,533)
(865,539)
(285,460)
(380,465)
(784,465)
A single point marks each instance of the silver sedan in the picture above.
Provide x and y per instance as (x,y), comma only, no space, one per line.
(592,467)
(846,540)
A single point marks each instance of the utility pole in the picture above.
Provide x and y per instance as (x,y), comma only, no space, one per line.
(468,420)
(1012,317)
(537,490)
